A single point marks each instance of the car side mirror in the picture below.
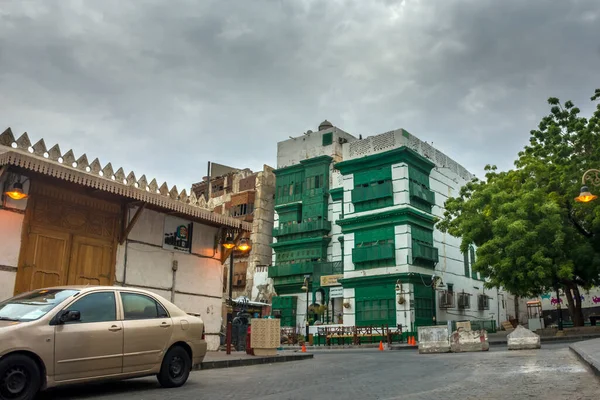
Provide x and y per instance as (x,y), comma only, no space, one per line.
(69,316)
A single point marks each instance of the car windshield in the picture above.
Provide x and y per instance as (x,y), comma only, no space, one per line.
(33,305)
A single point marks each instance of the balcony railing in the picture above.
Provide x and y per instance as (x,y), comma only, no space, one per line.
(316,268)
(422,193)
(372,192)
(288,199)
(291,229)
(378,252)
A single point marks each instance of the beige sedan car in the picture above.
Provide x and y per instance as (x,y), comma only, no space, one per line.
(73,334)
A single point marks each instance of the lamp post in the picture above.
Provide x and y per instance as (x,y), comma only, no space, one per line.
(229,244)
(305,288)
(593,176)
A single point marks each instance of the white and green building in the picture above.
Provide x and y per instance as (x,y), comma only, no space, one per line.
(355,217)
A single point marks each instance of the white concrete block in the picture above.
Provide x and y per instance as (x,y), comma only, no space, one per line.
(433,339)
(523,339)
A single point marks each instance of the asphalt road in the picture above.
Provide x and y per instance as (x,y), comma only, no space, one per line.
(553,372)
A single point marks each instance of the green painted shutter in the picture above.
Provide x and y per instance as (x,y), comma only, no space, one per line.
(375,305)
(472,254)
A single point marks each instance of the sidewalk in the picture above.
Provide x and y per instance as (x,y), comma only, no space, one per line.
(589,352)
(220,359)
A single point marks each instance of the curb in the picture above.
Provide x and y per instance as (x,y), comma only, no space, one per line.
(551,339)
(251,361)
(583,357)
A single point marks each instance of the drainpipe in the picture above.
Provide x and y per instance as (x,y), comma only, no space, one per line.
(174,267)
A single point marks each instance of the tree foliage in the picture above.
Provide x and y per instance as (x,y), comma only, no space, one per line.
(530,233)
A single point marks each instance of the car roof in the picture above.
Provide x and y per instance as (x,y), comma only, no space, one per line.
(89,288)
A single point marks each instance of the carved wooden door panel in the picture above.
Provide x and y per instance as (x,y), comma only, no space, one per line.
(91,262)
(69,238)
(45,260)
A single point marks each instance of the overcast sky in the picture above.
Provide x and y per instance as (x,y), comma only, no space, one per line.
(162,87)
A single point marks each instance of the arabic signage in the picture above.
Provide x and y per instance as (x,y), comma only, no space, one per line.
(331,280)
(336,292)
(177,234)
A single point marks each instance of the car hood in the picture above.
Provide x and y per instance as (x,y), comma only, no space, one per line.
(8,323)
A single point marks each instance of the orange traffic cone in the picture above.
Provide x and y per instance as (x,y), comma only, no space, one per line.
(303,348)
(380,345)
(412,340)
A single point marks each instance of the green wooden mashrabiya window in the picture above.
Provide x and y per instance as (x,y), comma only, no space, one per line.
(374,248)
(423,250)
(373,189)
(375,305)
(421,196)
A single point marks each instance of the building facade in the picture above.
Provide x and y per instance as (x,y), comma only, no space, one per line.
(83,223)
(355,223)
(247,196)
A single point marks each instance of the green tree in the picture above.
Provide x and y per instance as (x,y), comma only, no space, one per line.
(531,235)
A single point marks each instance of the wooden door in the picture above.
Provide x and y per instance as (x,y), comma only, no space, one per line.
(91,261)
(45,259)
(69,238)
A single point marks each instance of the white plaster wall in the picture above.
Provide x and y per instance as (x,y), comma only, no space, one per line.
(348,246)
(301,310)
(310,145)
(11,225)
(403,311)
(196,285)
(349,317)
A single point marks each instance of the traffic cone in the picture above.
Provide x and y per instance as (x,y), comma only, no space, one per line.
(412,340)
(303,348)
(380,345)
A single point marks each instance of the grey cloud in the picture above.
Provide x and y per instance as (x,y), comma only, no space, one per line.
(163,87)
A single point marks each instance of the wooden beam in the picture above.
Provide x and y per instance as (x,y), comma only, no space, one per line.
(3,170)
(127,229)
(227,252)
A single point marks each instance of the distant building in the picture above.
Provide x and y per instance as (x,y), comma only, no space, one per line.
(356,216)
(247,196)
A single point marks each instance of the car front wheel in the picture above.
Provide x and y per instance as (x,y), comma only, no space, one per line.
(19,378)
(175,368)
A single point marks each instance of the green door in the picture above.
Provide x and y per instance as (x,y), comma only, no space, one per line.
(424,306)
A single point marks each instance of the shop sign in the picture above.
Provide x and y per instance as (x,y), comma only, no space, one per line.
(177,234)
(331,280)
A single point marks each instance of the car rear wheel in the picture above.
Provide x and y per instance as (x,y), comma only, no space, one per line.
(19,378)
(175,368)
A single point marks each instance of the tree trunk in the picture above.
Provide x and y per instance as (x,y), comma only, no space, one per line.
(578,320)
(570,303)
(574,303)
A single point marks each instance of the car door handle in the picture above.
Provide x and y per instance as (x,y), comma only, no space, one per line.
(165,325)
(114,328)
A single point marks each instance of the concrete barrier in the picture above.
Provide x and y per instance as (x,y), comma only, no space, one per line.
(433,339)
(523,339)
(466,341)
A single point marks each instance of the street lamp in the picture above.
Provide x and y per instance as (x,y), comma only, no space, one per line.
(229,244)
(305,288)
(585,196)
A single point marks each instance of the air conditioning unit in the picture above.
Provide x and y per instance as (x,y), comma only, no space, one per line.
(446,299)
(464,300)
(483,302)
